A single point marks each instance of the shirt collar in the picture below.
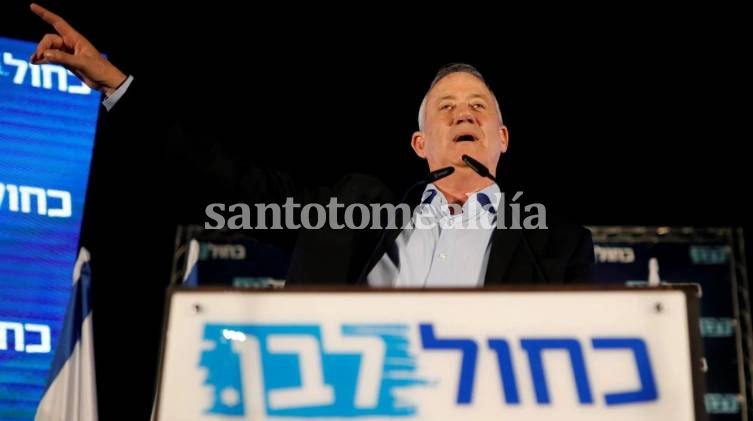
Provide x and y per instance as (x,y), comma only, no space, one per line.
(486,198)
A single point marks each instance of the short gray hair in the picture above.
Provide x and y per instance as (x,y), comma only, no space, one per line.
(449,69)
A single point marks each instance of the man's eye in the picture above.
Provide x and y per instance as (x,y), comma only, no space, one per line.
(446,107)
(477,106)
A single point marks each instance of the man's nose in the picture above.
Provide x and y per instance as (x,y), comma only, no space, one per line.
(464,115)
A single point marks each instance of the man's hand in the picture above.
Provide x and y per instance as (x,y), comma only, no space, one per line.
(71,50)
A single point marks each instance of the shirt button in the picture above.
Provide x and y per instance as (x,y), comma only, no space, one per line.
(442,256)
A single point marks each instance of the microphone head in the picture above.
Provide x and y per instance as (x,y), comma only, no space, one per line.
(476,166)
(440,174)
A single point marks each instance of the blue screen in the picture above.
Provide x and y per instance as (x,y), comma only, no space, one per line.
(47,125)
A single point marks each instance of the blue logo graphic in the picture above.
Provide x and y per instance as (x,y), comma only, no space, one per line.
(306,374)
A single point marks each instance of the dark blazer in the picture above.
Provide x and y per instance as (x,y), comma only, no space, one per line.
(345,256)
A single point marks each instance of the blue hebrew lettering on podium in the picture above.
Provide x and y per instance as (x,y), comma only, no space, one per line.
(304,371)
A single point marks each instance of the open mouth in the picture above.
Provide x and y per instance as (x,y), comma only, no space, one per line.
(465,138)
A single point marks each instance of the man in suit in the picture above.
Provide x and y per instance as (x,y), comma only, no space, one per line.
(459,116)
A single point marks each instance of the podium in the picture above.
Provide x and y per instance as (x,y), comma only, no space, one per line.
(579,353)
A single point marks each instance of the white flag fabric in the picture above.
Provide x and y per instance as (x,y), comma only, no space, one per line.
(71,392)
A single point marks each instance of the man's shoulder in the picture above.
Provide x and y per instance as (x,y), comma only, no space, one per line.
(568,243)
(562,232)
(566,225)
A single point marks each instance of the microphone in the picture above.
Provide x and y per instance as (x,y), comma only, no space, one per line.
(439,174)
(481,170)
(433,176)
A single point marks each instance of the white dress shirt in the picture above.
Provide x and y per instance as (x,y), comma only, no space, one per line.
(442,249)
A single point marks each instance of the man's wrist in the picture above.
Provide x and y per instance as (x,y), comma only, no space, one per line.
(117,93)
(108,90)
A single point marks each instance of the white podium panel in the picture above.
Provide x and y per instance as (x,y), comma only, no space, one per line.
(617,355)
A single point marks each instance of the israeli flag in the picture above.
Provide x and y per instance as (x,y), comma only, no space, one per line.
(71,392)
(191,274)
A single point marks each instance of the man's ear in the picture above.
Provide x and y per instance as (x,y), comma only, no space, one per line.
(417,143)
(504,136)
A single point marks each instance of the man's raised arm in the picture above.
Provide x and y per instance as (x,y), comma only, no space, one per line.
(71,50)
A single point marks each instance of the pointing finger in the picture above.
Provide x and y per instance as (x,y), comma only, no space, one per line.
(60,25)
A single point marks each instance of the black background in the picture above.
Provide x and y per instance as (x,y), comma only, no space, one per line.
(616,117)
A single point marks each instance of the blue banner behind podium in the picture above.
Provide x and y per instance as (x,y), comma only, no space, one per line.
(48,122)
(622,354)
